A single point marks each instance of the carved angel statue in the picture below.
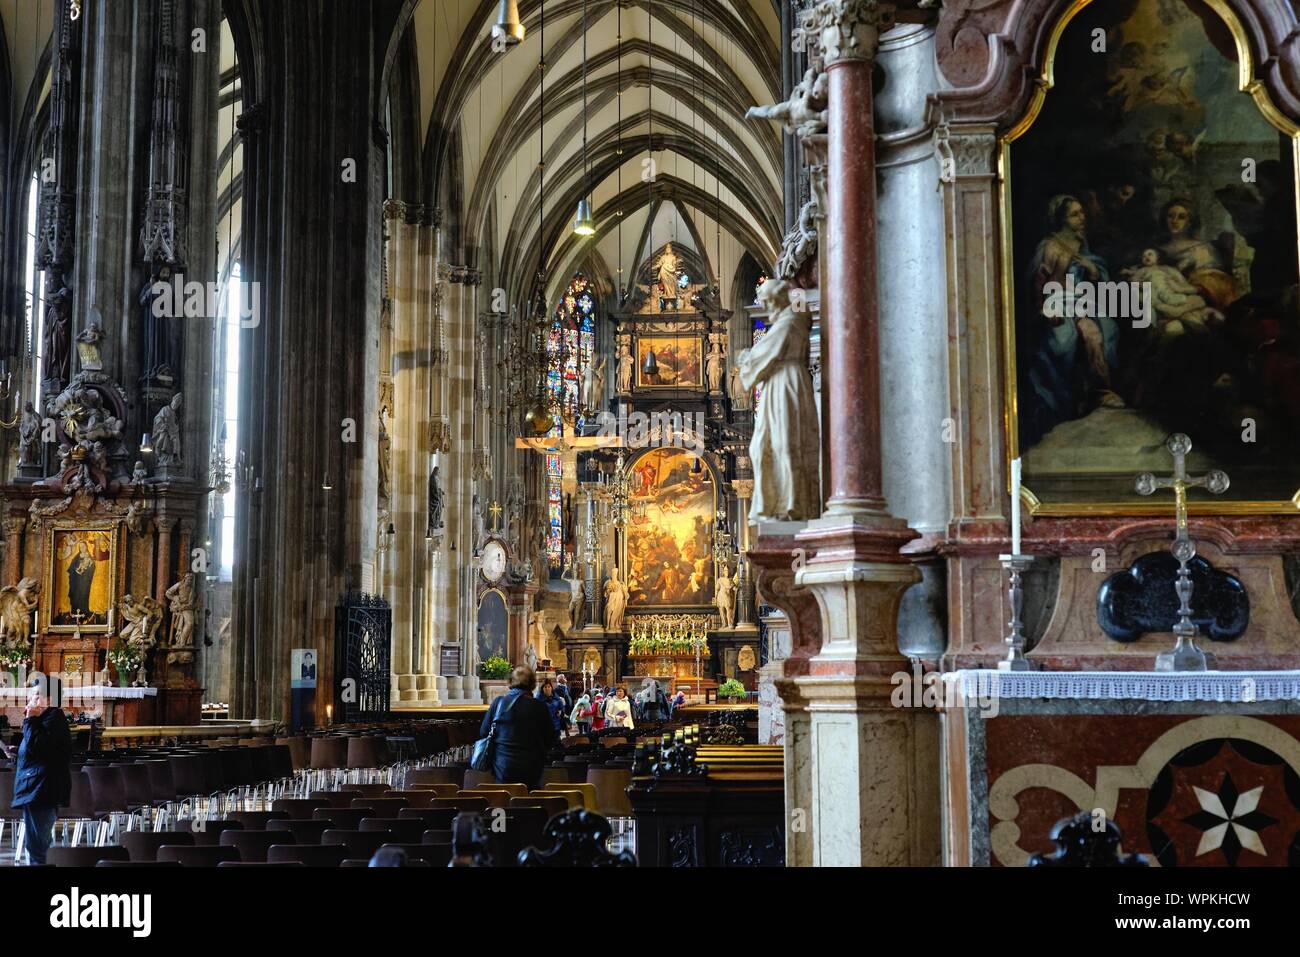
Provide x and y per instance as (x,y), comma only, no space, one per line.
(182,600)
(785,447)
(17,602)
(726,598)
(167,432)
(805,113)
(615,601)
(800,244)
(143,616)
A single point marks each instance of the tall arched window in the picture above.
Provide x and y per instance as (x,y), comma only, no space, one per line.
(569,348)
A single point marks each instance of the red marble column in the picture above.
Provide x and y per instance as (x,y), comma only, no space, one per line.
(162,567)
(850,316)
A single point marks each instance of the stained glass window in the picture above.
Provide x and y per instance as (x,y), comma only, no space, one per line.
(569,346)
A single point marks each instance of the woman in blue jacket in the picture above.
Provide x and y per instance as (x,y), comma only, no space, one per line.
(524,732)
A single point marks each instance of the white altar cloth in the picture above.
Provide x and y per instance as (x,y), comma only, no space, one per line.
(1222,686)
(80,692)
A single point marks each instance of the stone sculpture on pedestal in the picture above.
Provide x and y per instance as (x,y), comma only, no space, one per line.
(167,433)
(615,601)
(785,448)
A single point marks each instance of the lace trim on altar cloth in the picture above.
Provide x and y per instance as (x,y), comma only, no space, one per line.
(1223,686)
(88,691)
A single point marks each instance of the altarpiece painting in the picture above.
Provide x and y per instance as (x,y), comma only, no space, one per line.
(1149,172)
(669,558)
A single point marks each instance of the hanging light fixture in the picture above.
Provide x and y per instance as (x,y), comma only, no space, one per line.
(508,27)
(582,223)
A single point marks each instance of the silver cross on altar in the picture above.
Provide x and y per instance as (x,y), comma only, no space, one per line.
(1185,656)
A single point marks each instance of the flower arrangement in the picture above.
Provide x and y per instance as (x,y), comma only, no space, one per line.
(126,658)
(14,654)
(494,669)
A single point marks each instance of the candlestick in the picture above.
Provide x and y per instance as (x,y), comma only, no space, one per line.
(1015,506)
(1015,659)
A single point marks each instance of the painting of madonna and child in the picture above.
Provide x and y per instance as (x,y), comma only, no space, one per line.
(669,532)
(1155,261)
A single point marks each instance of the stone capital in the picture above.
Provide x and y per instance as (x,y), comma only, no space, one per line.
(965,151)
(849,30)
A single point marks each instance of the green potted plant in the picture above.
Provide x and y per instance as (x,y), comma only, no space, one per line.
(731,689)
(494,672)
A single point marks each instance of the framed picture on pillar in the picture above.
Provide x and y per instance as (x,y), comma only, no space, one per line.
(83,569)
(1151,277)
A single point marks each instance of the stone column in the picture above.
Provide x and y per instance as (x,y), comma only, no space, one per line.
(867,807)
(162,558)
(744,489)
(14,526)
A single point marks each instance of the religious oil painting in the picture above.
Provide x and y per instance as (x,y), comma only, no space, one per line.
(1151,278)
(81,576)
(674,362)
(669,557)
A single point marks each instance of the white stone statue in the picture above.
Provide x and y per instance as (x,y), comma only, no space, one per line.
(785,447)
(143,617)
(167,432)
(576,596)
(182,600)
(726,599)
(530,656)
(739,396)
(615,601)
(805,113)
(626,366)
(713,366)
(16,606)
(668,271)
(593,385)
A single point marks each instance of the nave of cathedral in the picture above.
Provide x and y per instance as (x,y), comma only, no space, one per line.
(861,434)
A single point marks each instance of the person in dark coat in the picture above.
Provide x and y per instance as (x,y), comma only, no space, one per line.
(525,732)
(556,706)
(42,780)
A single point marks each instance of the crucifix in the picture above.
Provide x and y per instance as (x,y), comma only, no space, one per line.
(1185,656)
(495,509)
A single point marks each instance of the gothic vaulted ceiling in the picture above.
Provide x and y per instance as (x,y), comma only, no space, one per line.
(669,154)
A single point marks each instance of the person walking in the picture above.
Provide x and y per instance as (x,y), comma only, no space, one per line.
(582,714)
(42,780)
(525,731)
(618,710)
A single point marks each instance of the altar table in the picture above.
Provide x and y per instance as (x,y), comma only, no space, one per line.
(1196,769)
(117,706)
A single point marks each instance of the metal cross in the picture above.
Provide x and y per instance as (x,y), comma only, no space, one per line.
(495,509)
(1213,481)
(1185,656)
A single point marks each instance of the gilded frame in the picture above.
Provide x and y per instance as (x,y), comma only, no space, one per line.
(1247,82)
(117,557)
(696,341)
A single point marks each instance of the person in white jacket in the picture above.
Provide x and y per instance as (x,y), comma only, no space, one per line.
(618,710)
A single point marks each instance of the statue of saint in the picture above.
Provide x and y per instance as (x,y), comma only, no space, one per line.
(167,432)
(726,599)
(593,385)
(626,366)
(785,447)
(29,437)
(182,599)
(668,269)
(385,456)
(157,329)
(435,501)
(57,334)
(615,601)
(713,365)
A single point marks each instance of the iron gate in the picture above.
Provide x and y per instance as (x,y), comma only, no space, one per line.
(363,628)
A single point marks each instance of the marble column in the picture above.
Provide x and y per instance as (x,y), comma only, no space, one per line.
(14,526)
(870,800)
